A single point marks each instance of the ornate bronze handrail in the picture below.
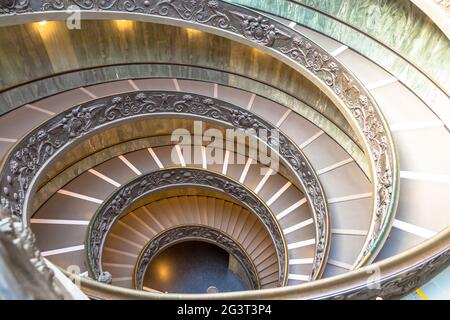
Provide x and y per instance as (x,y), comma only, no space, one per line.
(295,49)
(388,279)
(91,76)
(24,271)
(394,267)
(142,186)
(29,157)
(178,234)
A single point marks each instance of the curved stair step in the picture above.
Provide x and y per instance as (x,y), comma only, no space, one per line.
(253,233)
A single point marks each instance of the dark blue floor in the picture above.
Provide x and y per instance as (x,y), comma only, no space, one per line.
(192,267)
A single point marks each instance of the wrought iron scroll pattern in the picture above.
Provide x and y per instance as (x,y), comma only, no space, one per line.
(119,202)
(401,283)
(185,233)
(32,152)
(395,278)
(25,242)
(289,43)
(13,6)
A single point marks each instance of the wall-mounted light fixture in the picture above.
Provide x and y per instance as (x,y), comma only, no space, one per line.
(123,25)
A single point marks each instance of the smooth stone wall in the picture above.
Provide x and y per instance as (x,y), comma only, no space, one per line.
(30,52)
(39,89)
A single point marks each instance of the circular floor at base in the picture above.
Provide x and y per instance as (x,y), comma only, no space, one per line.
(193,267)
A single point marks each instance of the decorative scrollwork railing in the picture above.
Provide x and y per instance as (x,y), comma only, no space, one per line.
(188,233)
(387,279)
(117,204)
(290,46)
(28,158)
(25,275)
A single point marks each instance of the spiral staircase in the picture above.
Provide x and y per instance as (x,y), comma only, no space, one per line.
(97,184)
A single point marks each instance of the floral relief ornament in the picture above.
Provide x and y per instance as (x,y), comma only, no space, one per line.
(259,29)
(11,6)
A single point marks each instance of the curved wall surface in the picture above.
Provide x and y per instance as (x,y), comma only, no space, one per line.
(399,24)
(41,51)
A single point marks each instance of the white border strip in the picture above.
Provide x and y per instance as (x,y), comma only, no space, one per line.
(155,158)
(204,162)
(245,171)
(150,215)
(250,103)
(285,115)
(301,261)
(133,85)
(424,176)
(311,140)
(300,277)
(148,289)
(79,196)
(263,181)
(298,226)
(225,162)
(130,165)
(278,193)
(128,254)
(350,198)
(103,177)
(176,84)
(180,155)
(291,208)
(131,243)
(60,221)
(216,90)
(120,279)
(90,94)
(381,83)
(118,265)
(411,228)
(339,50)
(30,106)
(334,166)
(340,264)
(352,232)
(128,227)
(301,244)
(62,250)
(416,125)
(142,222)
